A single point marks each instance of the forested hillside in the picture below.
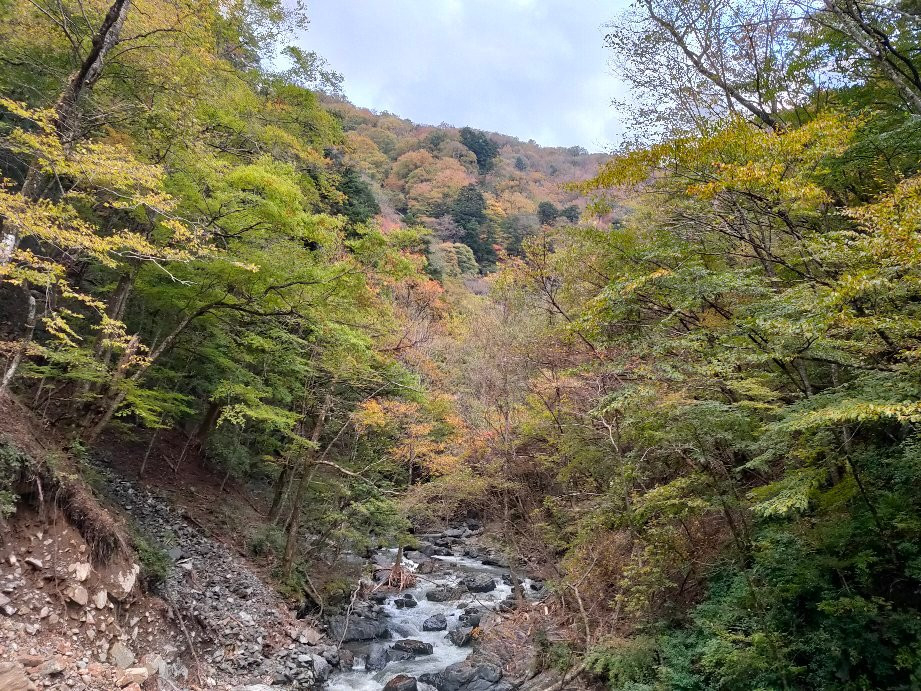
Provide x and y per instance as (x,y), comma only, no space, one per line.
(473,190)
(678,384)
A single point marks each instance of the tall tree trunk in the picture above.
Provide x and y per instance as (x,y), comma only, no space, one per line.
(306,477)
(115,309)
(93,430)
(206,426)
(281,489)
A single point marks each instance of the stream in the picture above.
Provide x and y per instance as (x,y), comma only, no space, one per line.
(378,661)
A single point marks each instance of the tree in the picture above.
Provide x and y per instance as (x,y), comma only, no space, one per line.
(571,213)
(547,213)
(484,148)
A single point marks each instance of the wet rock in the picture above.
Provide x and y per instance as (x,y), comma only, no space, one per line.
(346,659)
(356,628)
(321,668)
(436,622)
(414,647)
(407,600)
(495,560)
(479,583)
(399,656)
(431,550)
(469,620)
(446,593)
(465,676)
(460,635)
(401,682)
(377,658)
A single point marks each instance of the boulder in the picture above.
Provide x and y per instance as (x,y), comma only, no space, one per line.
(460,635)
(446,593)
(414,647)
(356,628)
(495,560)
(436,622)
(479,583)
(399,656)
(469,620)
(401,682)
(465,676)
(377,658)
(321,668)
(124,582)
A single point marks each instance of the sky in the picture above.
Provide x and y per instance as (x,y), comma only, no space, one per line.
(534,69)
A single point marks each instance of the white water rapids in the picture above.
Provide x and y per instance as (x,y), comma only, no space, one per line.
(407,623)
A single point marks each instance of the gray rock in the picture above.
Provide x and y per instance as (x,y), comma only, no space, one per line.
(471,620)
(466,676)
(321,668)
(479,583)
(377,658)
(436,622)
(414,647)
(50,667)
(445,593)
(399,656)
(356,629)
(121,655)
(460,635)
(495,560)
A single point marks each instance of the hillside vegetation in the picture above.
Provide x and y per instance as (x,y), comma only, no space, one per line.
(680,383)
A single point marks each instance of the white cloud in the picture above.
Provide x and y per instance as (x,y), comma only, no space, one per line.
(531,68)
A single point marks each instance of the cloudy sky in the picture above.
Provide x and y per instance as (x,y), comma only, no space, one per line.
(535,69)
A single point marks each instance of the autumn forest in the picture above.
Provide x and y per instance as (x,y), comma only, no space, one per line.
(676,383)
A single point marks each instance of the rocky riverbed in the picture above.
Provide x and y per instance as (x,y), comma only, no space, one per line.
(424,636)
(213,623)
